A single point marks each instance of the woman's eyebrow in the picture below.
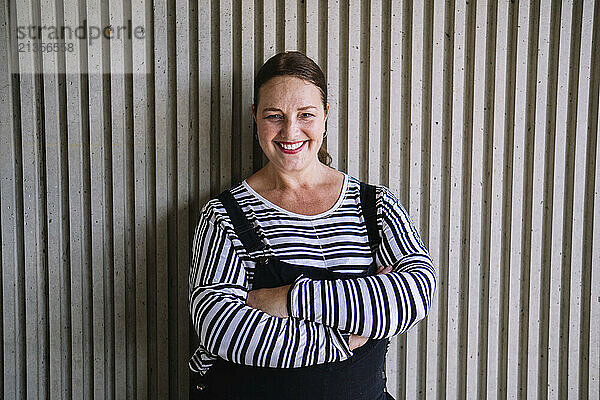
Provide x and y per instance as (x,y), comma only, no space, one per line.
(279,109)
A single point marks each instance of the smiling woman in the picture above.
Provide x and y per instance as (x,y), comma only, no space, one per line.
(290,120)
(287,66)
(301,273)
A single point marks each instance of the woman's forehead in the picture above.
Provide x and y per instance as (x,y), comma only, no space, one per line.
(289,90)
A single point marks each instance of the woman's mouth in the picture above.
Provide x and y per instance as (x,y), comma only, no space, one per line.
(291,148)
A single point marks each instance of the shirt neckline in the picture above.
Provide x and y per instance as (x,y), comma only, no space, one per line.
(302,216)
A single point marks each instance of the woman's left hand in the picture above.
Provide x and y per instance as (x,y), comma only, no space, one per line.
(272,301)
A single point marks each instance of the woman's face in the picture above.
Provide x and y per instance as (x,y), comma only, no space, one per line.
(290,122)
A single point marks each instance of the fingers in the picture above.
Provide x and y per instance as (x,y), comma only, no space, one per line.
(384,269)
(273,301)
(356,341)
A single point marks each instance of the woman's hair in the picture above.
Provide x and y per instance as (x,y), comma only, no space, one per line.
(294,63)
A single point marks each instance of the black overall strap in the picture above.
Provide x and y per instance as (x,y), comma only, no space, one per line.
(243,228)
(369,207)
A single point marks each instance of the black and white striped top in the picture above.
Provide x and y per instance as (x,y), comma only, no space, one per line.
(322,312)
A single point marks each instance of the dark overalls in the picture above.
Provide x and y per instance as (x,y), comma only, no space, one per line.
(361,377)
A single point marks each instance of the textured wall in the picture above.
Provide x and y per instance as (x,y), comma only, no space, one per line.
(482,117)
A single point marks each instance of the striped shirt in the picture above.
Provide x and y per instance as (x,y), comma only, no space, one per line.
(322,312)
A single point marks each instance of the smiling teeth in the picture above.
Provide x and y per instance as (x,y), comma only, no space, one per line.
(291,146)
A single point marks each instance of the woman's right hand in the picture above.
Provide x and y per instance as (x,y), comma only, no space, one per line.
(355,341)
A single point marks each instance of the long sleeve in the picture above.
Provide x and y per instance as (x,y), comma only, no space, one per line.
(228,328)
(375,306)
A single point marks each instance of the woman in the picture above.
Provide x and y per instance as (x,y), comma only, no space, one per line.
(301,273)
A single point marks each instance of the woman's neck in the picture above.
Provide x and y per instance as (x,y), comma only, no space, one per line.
(307,178)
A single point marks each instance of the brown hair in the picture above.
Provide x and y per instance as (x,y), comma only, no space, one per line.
(294,63)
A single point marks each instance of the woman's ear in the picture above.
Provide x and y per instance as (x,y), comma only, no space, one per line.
(326,111)
(253,110)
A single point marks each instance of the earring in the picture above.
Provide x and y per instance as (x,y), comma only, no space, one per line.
(324,134)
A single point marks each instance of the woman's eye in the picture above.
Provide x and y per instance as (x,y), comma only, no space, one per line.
(306,115)
(273,116)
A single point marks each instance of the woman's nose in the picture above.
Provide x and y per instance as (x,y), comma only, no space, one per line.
(289,126)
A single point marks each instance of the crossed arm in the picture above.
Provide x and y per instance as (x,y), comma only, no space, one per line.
(275,302)
(264,328)
(377,306)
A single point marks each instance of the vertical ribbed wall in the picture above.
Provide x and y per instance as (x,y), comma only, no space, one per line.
(481,116)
